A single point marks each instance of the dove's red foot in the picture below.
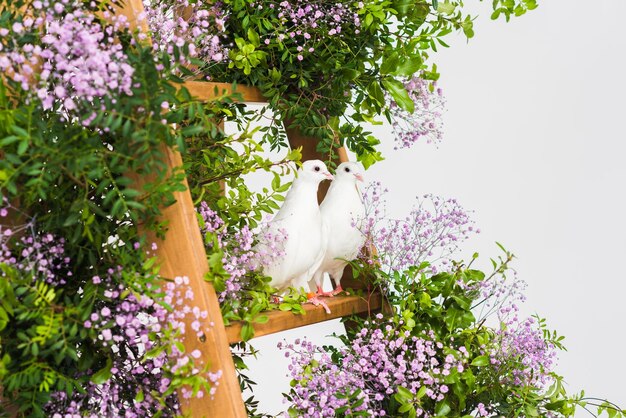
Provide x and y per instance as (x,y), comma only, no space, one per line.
(315,300)
(337,290)
(320,292)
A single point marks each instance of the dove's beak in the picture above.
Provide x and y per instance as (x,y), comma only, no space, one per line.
(329,176)
(359,176)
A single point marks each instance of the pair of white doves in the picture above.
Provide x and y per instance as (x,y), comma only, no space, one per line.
(319,238)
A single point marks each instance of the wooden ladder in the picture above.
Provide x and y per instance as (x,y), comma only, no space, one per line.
(182,253)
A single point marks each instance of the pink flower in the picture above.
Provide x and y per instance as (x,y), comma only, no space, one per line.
(106,334)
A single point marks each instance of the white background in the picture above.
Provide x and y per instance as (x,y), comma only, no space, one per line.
(535,146)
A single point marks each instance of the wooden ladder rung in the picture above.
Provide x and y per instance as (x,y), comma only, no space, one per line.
(339,306)
(209,90)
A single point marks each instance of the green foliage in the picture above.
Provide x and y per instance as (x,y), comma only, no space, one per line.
(445,305)
(78,177)
(39,333)
(215,164)
(508,8)
(93,168)
(92,183)
(347,78)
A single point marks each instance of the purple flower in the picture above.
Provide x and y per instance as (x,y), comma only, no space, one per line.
(430,232)
(141,324)
(240,259)
(378,361)
(82,61)
(425,122)
(201,33)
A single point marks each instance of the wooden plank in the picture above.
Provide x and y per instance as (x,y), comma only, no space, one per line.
(340,306)
(208,90)
(132,10)
(182,253)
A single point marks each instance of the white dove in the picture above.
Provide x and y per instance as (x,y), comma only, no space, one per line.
(300,220)
(342,212)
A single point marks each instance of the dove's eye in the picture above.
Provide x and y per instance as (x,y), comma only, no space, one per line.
(316,168)
(347,170)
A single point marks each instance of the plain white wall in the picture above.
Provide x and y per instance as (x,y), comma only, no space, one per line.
(535,146)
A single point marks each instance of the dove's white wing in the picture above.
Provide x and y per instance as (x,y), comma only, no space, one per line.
(300,219)
(342,211)
(304,252)
(309,278)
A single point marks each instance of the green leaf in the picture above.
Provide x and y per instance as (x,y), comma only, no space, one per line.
(409,66)
(399,94)
(284,307)
(531,411)
(480,361)
(442,409)
(390,64)
(22,147)
(405,407)
(350,74)
(404,393)
(276,182)
(376,93)
(254,37)
(425,300)
(140,396)
(103,374)
(446,7)
(247,331)
(403,7)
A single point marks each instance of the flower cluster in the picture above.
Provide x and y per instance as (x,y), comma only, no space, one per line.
(78,57)
(309,24)
(500,296)
(519,352)
(521,355)
(177,24)
(431,232)
(376,363)
(240,259)
(134,328)
(134,332)
(42,256)
(426,120)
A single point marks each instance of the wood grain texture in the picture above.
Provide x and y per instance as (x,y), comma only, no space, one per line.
(340,306)
(208,90)
(132,10)
(182,253)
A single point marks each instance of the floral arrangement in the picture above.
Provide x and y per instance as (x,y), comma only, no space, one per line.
(133,355)
(88,327)
(451,342)
(314,61)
